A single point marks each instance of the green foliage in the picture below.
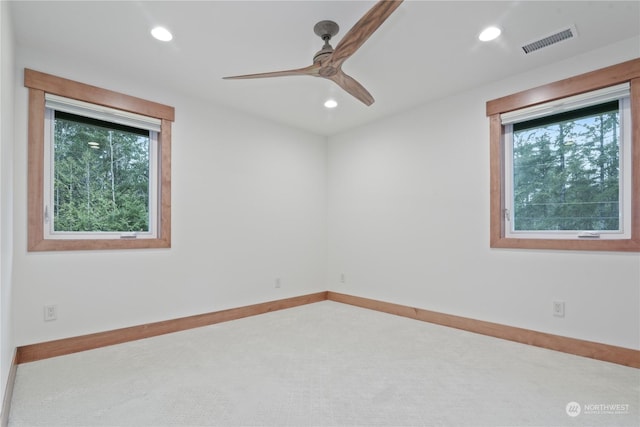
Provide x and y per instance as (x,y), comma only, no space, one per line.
(101,178)
(566,175)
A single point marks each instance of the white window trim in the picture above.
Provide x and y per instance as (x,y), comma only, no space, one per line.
(104,114)
(575,102)
(625,169)
(100,112)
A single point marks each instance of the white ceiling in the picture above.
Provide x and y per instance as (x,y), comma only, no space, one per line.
(426,50)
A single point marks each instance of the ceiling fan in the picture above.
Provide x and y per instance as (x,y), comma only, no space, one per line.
(327,63)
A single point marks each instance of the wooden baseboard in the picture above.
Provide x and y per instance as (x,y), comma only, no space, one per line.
(8,391)
(45,350)
(604,352)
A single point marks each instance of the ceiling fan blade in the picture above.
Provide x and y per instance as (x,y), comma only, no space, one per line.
(349,84)
(312,70)
(362,30)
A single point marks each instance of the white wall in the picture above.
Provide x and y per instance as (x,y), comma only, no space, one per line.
(409,223)
(6,192)
(248,205)
(408,204)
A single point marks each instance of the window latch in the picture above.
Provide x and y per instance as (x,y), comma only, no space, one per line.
(589,235)
(46,214)
(507,215)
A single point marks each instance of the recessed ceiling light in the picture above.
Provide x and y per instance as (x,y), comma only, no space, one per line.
(331,103)
(490,33)
(162,34)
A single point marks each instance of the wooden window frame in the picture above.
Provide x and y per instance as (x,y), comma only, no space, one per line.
(39,84)
(620,73)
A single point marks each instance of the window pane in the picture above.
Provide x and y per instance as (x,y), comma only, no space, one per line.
(566,172)
(101,176)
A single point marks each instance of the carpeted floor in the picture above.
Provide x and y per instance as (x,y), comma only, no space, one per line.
(324,364)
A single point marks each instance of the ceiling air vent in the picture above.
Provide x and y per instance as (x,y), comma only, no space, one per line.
(557,37)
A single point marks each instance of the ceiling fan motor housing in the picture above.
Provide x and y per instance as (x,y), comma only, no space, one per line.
(326,29)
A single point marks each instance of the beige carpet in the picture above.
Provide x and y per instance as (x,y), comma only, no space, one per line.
(324,364)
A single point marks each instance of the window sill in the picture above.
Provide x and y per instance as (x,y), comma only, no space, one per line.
(85,245)
(625,245)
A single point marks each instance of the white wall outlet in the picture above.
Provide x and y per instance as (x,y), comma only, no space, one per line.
(50,312)
(343,279)
(278,282)
(558,308)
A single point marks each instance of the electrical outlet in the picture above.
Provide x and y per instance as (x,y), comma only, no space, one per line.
(558,308)
(278,282)
(343,278)
(50,313)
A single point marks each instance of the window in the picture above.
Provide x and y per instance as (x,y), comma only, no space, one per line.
(566,173)
(100,176)
(99,168)
(565,162)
